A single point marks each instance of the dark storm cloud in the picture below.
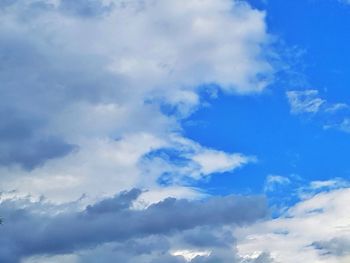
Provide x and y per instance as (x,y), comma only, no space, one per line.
(27,233)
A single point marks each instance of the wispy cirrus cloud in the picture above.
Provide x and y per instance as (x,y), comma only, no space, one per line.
(307,101)
(332,115)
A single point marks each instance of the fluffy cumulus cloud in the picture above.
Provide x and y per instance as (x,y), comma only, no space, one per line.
(93,92)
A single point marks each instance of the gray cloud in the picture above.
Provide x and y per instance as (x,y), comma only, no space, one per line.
(84,8)
(206,237)
(36,84)
(336,246)
(26,232)
(163,255)
(20,143)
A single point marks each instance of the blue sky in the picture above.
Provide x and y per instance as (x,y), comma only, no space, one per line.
(262,125)
(174,131)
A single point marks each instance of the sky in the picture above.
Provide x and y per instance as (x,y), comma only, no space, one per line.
(178,131)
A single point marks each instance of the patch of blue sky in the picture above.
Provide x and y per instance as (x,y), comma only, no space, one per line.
(316,42)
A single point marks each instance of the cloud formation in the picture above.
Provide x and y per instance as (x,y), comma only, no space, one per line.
(316,230)
(30,228)
(86,84)
(331,115)
(306,101)
(93,94)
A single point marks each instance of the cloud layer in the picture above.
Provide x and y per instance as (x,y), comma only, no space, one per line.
(35,228)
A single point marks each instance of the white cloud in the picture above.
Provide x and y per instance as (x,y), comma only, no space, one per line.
(206,161)
(333,115)
(101,167)
(314,187)
(183,160)
(329,184)
(272,181)
(345,125)
(337,107)
(158,194)
(306,101)
(213,161)
(190,254)
(104,166)
(294,235)
(97,78)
